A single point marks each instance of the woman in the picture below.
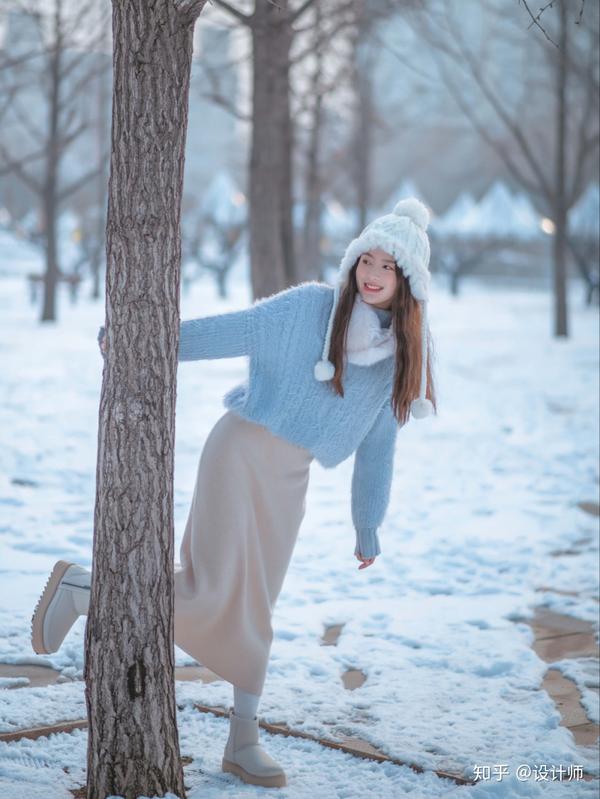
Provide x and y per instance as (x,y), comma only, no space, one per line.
(371,334)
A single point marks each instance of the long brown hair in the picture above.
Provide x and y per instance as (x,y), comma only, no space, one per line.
(406,319)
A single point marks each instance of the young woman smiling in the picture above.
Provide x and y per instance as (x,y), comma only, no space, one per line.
(332,371)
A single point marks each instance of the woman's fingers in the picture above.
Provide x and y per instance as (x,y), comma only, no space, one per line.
(365,561)
(102,340)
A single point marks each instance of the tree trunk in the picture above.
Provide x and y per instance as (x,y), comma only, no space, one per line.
(133,747)
(560,209)
(311,239)
(364,116)
(270,185)
(362,147)
(101,137)
(52,270)
(49,199)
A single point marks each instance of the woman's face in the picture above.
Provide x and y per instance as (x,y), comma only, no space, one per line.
(376,278)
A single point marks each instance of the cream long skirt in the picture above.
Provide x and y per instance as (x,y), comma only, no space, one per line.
(246,511)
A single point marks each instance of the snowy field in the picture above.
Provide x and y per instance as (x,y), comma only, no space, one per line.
(482,494)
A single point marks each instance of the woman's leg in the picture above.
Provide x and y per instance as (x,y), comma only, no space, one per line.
(65,597)
(245,705)
(244,756)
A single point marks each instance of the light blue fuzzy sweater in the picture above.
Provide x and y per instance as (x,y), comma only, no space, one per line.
(283,336)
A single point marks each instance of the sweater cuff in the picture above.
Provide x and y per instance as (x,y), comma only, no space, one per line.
(367,542)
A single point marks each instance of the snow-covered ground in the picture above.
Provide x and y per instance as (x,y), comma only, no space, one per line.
(482,494)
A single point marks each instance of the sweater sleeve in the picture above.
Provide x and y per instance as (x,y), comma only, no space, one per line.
(225,335)
(232,334)
(372,479)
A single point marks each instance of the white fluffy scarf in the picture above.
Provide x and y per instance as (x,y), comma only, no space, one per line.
(367,341)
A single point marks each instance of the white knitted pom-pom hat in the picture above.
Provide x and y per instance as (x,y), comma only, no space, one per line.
(402,235)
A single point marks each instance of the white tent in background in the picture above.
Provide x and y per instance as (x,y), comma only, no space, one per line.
(446,225)
(584,216)
(223,202)
(500,215)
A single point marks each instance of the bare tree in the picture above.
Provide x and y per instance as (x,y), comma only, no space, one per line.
(59,70)
(325,55)
(344,52)
(364,109)
(133,745)
(219,261)
(283,38)
(311,238)
(272,255)
(553,107)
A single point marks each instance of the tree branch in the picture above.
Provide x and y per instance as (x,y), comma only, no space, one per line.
(27,123)
(77,184)
(215,95)
(245,19)
(510,123)
(16,166)
(482,131)
(536,20)
(300,10)
(190,8)
(321,39)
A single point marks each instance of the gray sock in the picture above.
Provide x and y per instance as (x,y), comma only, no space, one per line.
(245,705)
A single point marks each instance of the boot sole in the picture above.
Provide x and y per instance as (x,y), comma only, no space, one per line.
(274,781)
(39,614)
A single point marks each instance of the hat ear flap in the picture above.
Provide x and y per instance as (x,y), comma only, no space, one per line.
(324,369)
(421,406)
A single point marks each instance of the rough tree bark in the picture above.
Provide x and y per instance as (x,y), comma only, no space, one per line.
(271,234)
(133,744)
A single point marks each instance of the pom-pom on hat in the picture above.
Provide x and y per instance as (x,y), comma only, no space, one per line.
(403,235)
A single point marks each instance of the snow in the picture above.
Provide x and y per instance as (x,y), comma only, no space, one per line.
(482,494)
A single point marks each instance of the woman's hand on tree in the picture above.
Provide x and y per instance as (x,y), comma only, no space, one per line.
(365,561)
(102,341)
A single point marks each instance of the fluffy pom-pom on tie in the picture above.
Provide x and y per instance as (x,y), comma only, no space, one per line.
(324,370)
(414,209)
(421,407)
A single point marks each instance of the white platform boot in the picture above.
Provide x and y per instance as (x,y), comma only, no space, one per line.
(246,758)
(65,597)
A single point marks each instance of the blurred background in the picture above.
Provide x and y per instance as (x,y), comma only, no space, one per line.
(484,109)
